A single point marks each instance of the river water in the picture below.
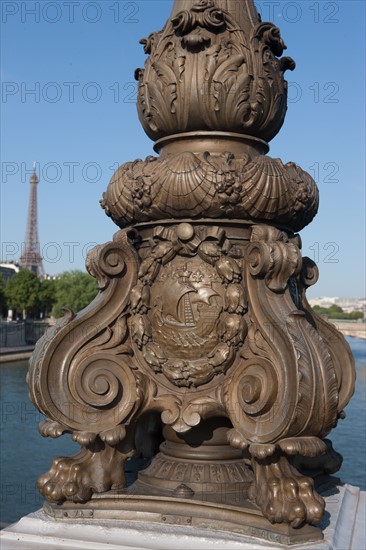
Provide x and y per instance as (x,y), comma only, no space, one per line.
(24,454)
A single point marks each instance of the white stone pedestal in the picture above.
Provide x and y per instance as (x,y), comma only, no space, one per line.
(343,527)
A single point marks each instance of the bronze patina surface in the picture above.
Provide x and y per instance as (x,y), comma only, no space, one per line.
(201,325)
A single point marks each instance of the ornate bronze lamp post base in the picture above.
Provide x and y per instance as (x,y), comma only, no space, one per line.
(197,480)
(192,482)
(202,318)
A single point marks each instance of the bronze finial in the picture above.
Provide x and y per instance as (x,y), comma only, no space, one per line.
(202,329)
(214,66)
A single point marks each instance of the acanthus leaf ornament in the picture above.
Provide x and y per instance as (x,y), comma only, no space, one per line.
(233,69)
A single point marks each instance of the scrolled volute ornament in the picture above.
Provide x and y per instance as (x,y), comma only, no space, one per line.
(309,272)
(191,24)
(103,380)
(104,262)
(93,380)
(271,256)
(252,396)
(271,35)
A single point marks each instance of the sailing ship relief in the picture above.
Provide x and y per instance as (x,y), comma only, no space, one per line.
(186,304)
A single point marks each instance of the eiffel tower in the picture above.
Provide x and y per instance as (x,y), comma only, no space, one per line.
(31,258)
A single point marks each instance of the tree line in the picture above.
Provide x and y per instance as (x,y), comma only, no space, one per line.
(336,312)
(29,297)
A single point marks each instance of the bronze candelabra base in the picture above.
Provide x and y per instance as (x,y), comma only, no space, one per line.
(202,320)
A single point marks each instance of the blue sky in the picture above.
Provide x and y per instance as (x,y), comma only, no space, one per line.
(80,122)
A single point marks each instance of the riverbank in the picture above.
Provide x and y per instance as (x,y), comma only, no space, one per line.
(350,328)
(19,353)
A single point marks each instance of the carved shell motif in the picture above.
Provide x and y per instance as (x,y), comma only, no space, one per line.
(207,185)
(206,73)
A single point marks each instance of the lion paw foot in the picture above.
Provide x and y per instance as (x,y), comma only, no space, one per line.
(77,478)
(67,479)
(290,500)
(285,496)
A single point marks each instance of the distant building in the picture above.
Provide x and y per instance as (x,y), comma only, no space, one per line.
(7,271)
(323,301)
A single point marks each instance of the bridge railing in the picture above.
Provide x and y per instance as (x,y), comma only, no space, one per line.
(25,333)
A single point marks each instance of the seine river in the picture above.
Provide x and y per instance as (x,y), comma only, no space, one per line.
(24,454)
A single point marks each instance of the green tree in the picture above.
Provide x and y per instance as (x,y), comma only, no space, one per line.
(47,296)
(74,289)
(355,315)
(336,312)
(2,296)
(22,292)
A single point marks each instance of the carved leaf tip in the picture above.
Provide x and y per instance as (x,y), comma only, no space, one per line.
(69,314)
